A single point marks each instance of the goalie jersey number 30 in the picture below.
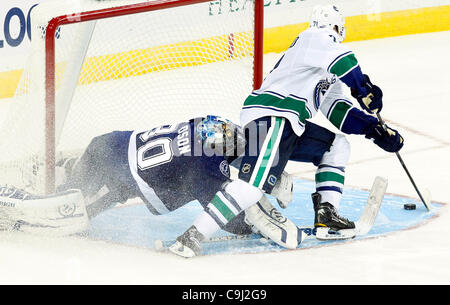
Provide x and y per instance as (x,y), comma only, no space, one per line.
(157,151)
(166,162)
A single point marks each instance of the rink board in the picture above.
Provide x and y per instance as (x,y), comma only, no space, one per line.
(134,225)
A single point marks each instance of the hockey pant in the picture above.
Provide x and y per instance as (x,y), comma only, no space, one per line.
(271,143)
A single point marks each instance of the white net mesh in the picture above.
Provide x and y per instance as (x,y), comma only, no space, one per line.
(123,73)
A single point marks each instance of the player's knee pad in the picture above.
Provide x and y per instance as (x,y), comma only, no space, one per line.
(339,152)
(234,198)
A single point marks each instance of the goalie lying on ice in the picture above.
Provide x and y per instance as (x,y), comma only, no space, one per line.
(166,167)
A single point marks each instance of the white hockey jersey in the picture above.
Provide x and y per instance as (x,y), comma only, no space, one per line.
(306,79)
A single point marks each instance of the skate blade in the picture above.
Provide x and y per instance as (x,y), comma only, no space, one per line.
(180,250)
(326,234)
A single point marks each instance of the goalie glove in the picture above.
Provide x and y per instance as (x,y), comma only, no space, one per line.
(283,190)
(57,215)
(372,99)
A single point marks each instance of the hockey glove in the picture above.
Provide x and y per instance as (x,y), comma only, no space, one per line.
(283,190)
(372,99)
(389,140)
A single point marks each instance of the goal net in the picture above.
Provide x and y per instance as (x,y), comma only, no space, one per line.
(102,65)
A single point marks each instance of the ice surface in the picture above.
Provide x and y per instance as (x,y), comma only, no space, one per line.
(133,225)
(413,73)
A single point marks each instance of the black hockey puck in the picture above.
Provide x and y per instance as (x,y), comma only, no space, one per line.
(409,206)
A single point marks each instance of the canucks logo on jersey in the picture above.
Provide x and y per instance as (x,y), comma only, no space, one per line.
(321,89)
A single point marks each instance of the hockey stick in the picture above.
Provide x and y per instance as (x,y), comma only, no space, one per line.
(426,201)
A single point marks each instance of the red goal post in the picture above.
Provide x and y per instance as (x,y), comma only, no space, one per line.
(50,65)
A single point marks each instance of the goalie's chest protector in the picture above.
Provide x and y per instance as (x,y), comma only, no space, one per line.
(171,170)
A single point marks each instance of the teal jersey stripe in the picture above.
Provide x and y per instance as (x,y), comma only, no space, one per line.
(281,104)
(329,176)
(338,113)
(270,149)
(343,65)
(222,208)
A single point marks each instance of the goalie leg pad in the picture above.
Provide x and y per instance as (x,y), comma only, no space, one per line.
(269,222)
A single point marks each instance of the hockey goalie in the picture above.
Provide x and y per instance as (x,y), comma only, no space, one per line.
(166,167)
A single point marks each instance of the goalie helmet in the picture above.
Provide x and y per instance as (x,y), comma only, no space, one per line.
(328,16)
(221,135)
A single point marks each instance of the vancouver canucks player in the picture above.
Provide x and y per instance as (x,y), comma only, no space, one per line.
(309,77)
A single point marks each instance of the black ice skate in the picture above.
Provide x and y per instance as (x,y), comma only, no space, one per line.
(188,244)
(327,216)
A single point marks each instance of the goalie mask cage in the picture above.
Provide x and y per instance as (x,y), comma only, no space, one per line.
(102,65)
